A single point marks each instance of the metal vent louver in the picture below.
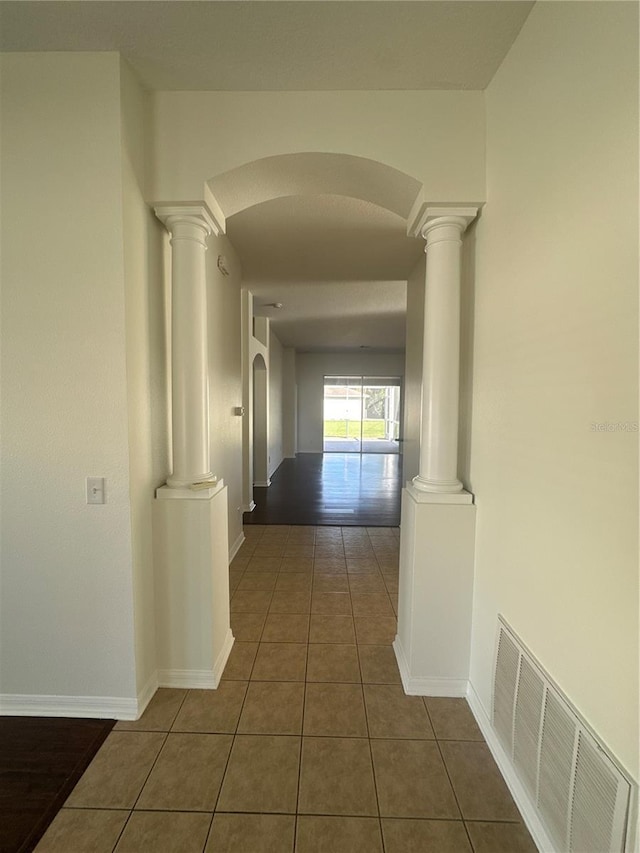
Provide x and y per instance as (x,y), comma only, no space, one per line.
(526,724)
(556,768)
(595,799)
(581,796)
(504,688)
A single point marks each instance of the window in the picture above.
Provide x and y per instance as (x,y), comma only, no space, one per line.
(362,414)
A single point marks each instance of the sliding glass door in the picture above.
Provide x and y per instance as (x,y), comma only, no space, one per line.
(362,414)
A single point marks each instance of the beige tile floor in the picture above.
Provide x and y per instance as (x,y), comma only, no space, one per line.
(309,744)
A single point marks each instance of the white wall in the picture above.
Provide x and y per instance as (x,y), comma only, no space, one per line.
(66,616)
(276,380)
(146,361)
(225,375)
(436,137)
(311,368)
(413,372)
(556,350)
(467,332)
(289,403)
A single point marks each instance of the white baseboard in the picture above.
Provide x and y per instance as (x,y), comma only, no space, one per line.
(249,507)
(198,679)
(223,657)
(192,679)
(522,800)
(262,483)
(95,707)
(147,693)
(236,547)
(425,685)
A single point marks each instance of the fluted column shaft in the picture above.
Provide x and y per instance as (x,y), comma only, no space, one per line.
(189,227)
(441,354)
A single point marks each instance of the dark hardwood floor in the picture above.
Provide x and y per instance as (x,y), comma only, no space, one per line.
(346,489)
(41,759)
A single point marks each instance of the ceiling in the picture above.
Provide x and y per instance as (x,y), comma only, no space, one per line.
(338,264)
(322,238)
(324,316)
(300,45)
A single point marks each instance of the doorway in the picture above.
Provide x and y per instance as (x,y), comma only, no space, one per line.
(361,414)
(260,422)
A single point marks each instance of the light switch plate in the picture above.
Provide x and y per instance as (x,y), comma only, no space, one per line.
(95,490)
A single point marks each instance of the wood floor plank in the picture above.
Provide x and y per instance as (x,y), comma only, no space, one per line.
(344,489)
(41,759)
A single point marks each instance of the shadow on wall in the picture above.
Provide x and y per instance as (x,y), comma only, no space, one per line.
(260,422)
(467,309)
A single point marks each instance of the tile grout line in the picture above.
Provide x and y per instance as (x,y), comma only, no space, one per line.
(373,769)
(446,770)
(233,740)
(304,699)
(304,692)
(142,787)
(206,838)
(304,704)
(226,766)
(166,737)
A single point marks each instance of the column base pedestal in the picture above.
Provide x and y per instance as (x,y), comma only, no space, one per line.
(437,487)
(437,544)
(422,497)
(191,555)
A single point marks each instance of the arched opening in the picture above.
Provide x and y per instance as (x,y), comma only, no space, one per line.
(325,234)
(314,173)
(260,402)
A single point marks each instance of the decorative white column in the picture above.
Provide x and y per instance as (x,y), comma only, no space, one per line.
(189,226)
(190,513)
(443,230)
(437,535)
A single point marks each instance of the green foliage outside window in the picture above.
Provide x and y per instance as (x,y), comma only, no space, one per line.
(351,429)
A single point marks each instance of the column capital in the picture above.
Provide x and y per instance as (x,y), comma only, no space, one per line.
(196,214)
(446,223)
(425,213)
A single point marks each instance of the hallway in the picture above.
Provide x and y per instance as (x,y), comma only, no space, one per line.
(347,489)
(309,744)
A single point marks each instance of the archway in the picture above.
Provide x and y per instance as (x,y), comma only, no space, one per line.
(278,208)
(438,515)
(314,173)
(260,402)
